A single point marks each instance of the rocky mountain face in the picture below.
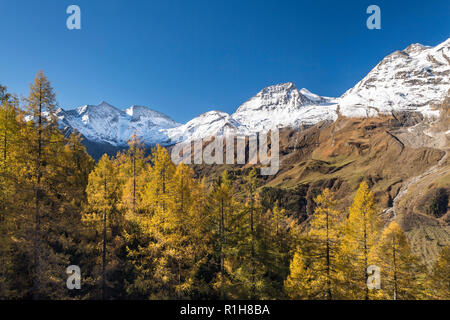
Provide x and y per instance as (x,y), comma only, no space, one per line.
(106,124)
(403,157)
(284,105)
(392,129)
(208,124)
(281,105)
(415,79)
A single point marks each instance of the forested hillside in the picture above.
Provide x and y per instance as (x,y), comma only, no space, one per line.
(140,227)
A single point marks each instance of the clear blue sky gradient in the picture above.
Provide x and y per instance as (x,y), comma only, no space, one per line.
(187,57)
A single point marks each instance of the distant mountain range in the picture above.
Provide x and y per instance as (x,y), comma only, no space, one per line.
(414,79)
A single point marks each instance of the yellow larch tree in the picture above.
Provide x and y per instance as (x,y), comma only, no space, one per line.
(103,194)
(158,188)
(222,208)
(40,176)
(361,233)
(157,205)
(439,282)
(131,165)
(324,235)
(401,272)
(299,283)
(10,141)
(277,244)
(319,254)
(179,225)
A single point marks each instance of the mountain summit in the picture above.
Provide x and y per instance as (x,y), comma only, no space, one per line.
(414,79)
(282,105)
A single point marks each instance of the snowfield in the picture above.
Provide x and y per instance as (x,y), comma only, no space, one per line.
(106,123)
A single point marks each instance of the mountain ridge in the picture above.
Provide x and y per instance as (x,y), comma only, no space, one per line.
(413,79)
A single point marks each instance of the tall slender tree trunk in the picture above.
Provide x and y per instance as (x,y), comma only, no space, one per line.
(222,244)
(134,181)
(4,175)
(3,204)
(366,276)
(163,175)
(5,139)
(329,296)
(179,258)
(394,260)
(253,286)
(104,251)
(37,235)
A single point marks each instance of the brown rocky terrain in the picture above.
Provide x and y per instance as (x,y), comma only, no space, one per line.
(403,157)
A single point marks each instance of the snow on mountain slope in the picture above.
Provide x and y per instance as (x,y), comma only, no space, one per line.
(280,105)
(141,113)
(211,123)
(106,123)
(414,79)
(316,99)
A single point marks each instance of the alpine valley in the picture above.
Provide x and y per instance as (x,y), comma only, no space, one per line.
(392,129)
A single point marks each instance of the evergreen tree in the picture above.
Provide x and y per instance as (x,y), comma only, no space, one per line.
(222,210)
(9,140)
(158,186)
(439,284)
(184,226)
(43,182)
(103,194)
(202,236)
(249,270)
(157,205)
(45,139)
(278,241)
(5,96)
(298,284)
(131,164)
(400,269)
(360,236)
(319,253)
(251,211)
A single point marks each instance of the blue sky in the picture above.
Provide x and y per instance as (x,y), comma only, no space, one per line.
(187,57)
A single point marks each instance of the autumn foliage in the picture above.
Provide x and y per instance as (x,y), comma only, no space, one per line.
(141,227)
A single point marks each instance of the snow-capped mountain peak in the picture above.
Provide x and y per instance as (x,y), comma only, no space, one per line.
(107,124)
(106,105)
(414,79)
(282,105)
(414,48)
(270,98)
(102,107)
